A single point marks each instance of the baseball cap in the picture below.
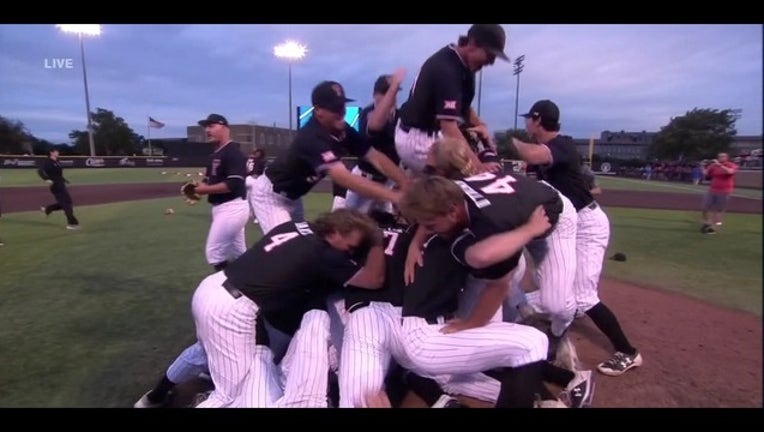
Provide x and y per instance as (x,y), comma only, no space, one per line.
(545,109)
(214,118)
(491,37)
(382,85)
(329,95)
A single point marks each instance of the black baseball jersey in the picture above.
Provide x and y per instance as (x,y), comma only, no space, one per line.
(589,179)
(383,141)
(443,90)
(227,164)
(498,203)
(397,241)
(312,152)
(564,173)
(51,170)
(338,190)
(286,267)
(437,284)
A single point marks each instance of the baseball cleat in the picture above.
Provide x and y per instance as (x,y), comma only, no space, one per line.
(620,363)
(145,402)
(447,401)
(580,390)
(72,227)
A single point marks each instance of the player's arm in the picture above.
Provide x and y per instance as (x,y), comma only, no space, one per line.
(479,254)
(534,154)
(378,116)
(43,171)
(343,271)
(731,168)
(387,167)
(414,255)
(490,300)
(363,186)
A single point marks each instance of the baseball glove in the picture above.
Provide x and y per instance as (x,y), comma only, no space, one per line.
(188,190)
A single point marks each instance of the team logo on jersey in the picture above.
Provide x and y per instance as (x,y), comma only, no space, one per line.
(449,104)
(337,89)
(215,165)
(328,156)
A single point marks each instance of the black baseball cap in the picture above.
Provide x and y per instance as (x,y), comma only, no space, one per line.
(491,37)
(382,84)
(544,109)
(214,118)
(329,95)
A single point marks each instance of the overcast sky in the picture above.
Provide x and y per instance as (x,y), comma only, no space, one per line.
(603,77)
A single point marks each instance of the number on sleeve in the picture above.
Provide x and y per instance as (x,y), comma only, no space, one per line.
(280,239)
(393,238)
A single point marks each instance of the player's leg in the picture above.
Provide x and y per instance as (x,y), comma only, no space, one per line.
(226,329)
(593,236)
(556,270)
(271,209)
(238,218)
(228,220)
(65,201)
(721,206)
(364,358)
(356,201)
(262,387)
(306,364)
(707,205)
(413,147)
(186,367)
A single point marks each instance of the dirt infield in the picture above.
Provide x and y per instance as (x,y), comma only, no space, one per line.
(696,354)
(31,198)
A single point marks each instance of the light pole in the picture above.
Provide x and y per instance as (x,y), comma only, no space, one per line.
(84,30)
(518,69)
(290,51)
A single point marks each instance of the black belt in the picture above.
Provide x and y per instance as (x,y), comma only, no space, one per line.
(358,305)
(407,129)
(235,293)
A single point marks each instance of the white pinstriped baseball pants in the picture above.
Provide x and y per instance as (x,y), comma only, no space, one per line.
(226,238)
(272,209)
(591,242)
(413,146)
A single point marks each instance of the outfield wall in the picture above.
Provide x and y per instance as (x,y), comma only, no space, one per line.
(11,161)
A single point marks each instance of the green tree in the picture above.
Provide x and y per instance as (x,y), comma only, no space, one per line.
(14,137)
(699,134)
(503,140)
(112,136)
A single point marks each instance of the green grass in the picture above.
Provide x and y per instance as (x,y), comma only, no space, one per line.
(92,318)
(621,183)
(84,176)
(665,249)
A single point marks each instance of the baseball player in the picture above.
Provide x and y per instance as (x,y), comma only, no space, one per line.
(314,154)
(52,173)
(297,255)
(255,168)
(464,210)
(226,191)
(441,96)
(377,125)
(509,202)
(557,162)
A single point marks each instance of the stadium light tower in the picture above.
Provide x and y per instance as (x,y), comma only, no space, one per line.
(84,30)
(290,51)
(518,63)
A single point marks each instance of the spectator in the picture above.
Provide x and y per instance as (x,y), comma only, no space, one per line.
(721,173)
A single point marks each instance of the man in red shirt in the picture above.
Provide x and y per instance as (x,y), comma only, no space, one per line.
(721,172)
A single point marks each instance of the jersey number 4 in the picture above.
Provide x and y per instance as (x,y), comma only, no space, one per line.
(497,185)
(279,239)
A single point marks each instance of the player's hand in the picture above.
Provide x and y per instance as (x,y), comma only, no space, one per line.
(538,223)
(483,133)
(491,167)
(397,78)
(378,400)
(414,258)
(455,325)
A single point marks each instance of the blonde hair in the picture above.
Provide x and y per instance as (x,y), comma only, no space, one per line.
(429,197)
(344,221)
(452,158)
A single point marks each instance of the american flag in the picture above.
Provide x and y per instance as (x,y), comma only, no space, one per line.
(155,124)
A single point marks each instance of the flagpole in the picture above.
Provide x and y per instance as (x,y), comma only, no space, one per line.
(149,135)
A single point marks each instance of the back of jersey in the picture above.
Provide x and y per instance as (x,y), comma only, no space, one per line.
(504,202)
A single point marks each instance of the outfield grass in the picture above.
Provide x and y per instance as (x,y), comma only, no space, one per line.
(665,249)
(92,318)
(622,183)
(84,176)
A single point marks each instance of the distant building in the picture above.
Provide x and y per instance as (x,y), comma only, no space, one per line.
(633,145)
(270,138)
